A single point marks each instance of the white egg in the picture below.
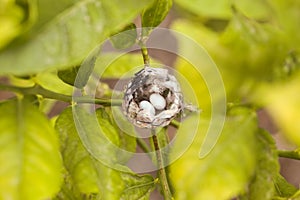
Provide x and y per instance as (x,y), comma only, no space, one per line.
(157,101)
(147,106)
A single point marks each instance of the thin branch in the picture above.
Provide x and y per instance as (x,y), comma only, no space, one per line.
(289,154)
(144,50)
(38,90)
(162,175)
(161,169)
(175,123)
(143,145)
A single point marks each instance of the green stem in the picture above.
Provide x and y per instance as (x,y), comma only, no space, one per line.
(144,50)
(175,123)
(38,90)
(143,145)
(162,175)
(289,154)
(161,169)
(145,55)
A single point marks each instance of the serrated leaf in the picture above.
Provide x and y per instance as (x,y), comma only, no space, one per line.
(125,38)
(67,37)
(262,186)
(224,172)
(29,153)
(155,14)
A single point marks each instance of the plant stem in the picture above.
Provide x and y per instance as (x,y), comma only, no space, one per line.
(175,123)
(144,50)
(162,175)
(161,169)
(289,154)
(143,145)
(38,90)
(145,54)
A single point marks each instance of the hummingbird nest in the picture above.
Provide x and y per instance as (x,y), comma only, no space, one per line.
(152,98)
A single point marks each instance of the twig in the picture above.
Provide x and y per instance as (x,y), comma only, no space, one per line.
(39,90)
(143,145)
(144,50)
(289,154)
(161,169)
(175,123)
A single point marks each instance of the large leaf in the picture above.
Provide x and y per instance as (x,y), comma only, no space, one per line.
(287,14)
(224,172)
(67,37)
(30,161)
(76,159)
(118,65)
(78,76)
(116,185)
(137,187)
(222,8)
(246,53)
(125,38)
(155,14)
(263,185)
(89,175)
(16,18)
(283,188)
(49,80)
(282,101)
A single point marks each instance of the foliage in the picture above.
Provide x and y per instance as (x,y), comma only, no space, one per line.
(84,151)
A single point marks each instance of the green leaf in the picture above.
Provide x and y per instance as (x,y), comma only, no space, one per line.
(68,75)
(119,65)
(107,121)
(155,14)
(222,9)
(118,185)
(69,35)
(49,80)
(110,142)
(287,15)
(283,188)
(78,76)
(262,185)
(191,78)
(224,172)
(137,187)
(247,53)
(76,159)
(282,102)
(296,196)
(125,38)
(90,176)
(114,65)
(29,153)
(16,18)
